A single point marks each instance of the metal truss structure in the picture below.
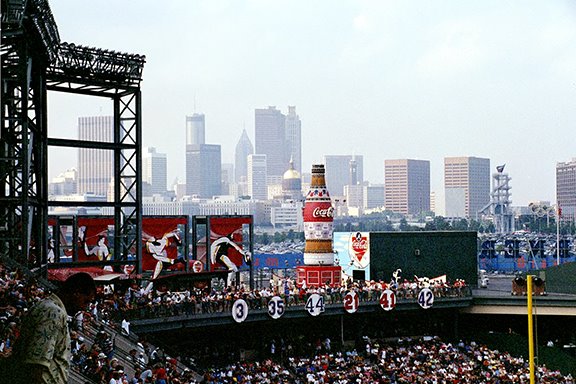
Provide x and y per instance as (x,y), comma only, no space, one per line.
(34,61)
(499,206)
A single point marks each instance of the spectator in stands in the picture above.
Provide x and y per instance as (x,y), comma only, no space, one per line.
(43,351)
(147,374)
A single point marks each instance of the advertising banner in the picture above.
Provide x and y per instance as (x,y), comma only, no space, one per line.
(93,243)
(359,244)
(161,242)
(353,252)
(226,243)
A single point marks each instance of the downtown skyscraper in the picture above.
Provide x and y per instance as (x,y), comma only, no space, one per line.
(196,129)
(279,138)
(339,172)
(243,149)
(294,138)
(95,166)
(203,161)
(566,188)
(257,174)
(154,171)
(407,186)
(466,185)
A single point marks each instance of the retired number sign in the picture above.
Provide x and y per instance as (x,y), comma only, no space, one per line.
(276,307)
(388,300)
(426,298)
(351,302)
(239,310)
(315,304)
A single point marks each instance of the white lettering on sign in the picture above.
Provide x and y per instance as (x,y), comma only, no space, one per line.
(359,245)
(327,212)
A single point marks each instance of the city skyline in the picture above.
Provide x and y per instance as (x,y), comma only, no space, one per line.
(382,79)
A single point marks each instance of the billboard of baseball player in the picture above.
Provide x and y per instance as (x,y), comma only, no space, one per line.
(93,239)
(226,244)
(162,242)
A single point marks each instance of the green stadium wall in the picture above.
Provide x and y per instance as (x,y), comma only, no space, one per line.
(424,254)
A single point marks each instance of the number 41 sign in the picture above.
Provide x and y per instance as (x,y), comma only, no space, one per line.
(388,300)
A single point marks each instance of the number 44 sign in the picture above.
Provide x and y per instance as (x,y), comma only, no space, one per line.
(315,304)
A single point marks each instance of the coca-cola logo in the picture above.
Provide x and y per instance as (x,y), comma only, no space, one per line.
(320,212)
(359,246)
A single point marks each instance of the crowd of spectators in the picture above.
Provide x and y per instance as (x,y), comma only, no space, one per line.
(426,360)
(143,302)
(93,353)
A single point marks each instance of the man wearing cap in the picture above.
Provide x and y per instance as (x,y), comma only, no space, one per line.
(116,377)
(43,351)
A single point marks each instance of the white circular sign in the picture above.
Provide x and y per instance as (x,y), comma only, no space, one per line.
(351,302)
(276,307)
(426,298)
(315,304)
(388,300)
(197,266)
(239,310)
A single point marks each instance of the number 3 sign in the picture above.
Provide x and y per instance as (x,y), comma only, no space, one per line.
(239,310)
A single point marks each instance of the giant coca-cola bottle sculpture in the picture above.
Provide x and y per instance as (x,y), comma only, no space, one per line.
(318,220)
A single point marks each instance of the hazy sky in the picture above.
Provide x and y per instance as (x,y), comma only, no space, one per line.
(385,79)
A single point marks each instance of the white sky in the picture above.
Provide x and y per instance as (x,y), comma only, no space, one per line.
(385,79)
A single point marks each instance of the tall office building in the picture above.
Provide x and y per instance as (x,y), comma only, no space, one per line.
(203,170)
(257,175)
(243,149)
(64,184)
(373,196)
(467,185)
(566,188)
(95,166)
(154,170)
(196,129)
(407,186)
(227,177)
(339,172)
(270,138)
(294,138)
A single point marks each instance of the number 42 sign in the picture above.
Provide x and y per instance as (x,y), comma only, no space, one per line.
(426,298)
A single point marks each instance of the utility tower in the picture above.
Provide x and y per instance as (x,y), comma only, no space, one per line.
(499,206)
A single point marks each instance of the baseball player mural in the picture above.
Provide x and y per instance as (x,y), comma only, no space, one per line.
(157,248)
(93,239)
(161,240)
(226,251)
(219,251)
